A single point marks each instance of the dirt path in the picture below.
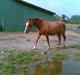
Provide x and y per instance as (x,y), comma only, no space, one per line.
(23,41)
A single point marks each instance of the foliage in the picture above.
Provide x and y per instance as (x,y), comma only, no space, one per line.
(75,19)
(77,55)
(58,55)
(1,28)
(20,60)
(75,46)
(8,68)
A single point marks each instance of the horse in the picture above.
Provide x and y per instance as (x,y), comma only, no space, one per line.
(46,28)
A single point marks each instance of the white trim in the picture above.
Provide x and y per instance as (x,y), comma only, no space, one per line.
(26,27)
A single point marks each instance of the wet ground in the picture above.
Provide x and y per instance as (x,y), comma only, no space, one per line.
(34,63)
(50,66)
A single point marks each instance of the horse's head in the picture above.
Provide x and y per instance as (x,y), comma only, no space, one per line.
(33,22)
(29,25)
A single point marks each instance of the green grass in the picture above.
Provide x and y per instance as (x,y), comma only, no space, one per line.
(19,60)
(75,46)
(72,25)
(77,56)
(58,55)
(15,62)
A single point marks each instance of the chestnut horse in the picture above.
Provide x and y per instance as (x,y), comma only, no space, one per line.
(47,28)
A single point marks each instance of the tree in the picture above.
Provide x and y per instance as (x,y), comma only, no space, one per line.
(75,19)
(65,18)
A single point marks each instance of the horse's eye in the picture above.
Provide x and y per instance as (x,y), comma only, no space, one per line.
(30,24)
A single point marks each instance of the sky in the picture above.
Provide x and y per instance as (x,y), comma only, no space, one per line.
(67,7)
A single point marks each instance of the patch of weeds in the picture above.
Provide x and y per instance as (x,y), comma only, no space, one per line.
(77,56)
(58,55)
(21,57)
(17,61)
(75,46)
(8,69)
(1,66)
(78,73)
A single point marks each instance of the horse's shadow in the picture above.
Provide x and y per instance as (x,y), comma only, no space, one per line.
(66,47)
(58,48)
(77,46)
(74,46)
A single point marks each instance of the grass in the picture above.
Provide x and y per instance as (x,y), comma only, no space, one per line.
(76,46)
(15,62)
(72,25)
(20,60)
(58,55)
(8,68)
(77,56)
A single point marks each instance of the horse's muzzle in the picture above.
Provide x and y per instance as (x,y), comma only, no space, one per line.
(27,31)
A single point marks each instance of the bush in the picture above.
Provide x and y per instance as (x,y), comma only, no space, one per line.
(1,28)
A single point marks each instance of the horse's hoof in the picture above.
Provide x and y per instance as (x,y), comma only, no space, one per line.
(48,48)
(64,46)
(34,48)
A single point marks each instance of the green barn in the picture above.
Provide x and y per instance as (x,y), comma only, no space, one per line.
(13,14)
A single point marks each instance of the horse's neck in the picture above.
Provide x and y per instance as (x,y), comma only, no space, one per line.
(38,24)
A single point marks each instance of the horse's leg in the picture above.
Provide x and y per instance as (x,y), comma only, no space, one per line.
(64,38)
(59,37)
(36,41)
(47,38)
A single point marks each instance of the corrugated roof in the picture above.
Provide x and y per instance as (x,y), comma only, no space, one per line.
(34,6)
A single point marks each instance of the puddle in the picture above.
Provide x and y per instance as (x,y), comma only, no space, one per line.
(45,65)
(50,66)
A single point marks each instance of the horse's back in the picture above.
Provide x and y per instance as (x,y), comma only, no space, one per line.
(61,26)
(58,26)
(52,27)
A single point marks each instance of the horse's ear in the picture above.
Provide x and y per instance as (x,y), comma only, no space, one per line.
(28,19)
(36,19)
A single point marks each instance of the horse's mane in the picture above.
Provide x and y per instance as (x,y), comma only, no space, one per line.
(36,19)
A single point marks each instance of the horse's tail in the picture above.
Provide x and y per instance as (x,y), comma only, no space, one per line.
(63,32)
(64,28)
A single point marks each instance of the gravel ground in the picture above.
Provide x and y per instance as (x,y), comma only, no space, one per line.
(22,41)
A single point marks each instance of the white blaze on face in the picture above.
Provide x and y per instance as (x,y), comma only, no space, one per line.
(26,27)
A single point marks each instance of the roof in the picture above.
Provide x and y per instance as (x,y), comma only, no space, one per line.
(34,6)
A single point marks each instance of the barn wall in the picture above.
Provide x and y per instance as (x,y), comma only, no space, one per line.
(13,15)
